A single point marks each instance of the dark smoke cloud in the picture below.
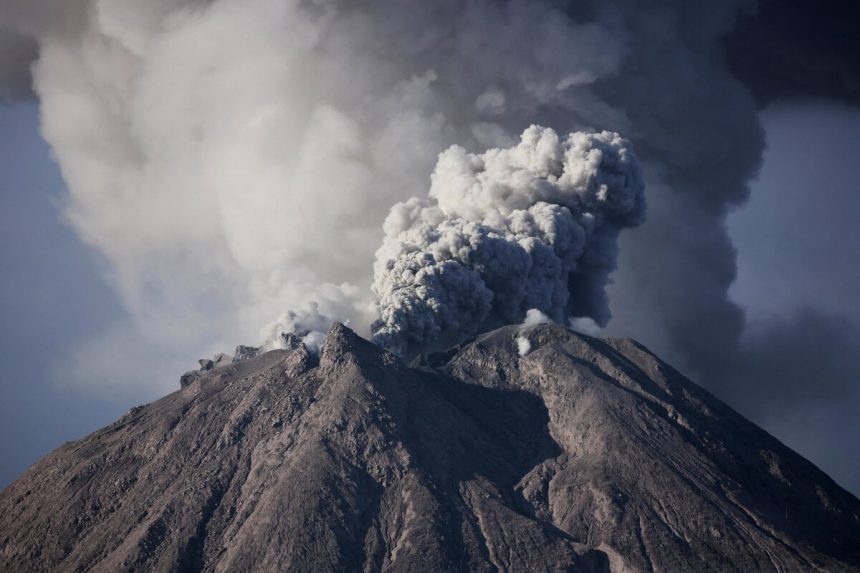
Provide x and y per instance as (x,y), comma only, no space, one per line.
(696,129)
(278,190)
(793,49)
(797,375)
(17,54)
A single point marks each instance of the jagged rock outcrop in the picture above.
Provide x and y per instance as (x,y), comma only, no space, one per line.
(245,352)
(585,454)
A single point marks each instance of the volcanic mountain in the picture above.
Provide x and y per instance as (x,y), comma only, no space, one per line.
(527,449)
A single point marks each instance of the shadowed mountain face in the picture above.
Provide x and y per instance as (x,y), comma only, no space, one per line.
(583,455)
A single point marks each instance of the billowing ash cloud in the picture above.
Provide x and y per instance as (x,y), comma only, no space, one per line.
(533,226)
(231,159)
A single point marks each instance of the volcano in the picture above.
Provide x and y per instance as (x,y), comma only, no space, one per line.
(530,448)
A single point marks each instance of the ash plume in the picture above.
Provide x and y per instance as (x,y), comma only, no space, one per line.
(533,226)
(230,160)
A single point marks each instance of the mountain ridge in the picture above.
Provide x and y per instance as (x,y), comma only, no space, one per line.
(583,454)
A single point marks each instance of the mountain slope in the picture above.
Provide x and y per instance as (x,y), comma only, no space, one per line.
(583,455)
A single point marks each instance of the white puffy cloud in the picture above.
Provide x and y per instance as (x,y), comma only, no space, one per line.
(534,316)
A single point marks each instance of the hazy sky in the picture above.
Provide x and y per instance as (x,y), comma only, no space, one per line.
(51,294)
(207,209)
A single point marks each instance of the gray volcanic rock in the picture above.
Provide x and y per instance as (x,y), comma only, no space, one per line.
(245,352)
(585,454)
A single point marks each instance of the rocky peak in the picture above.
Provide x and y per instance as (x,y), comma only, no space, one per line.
(342,345)
(244,352)
(582,454)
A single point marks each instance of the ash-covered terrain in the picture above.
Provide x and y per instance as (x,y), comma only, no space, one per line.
(528,449)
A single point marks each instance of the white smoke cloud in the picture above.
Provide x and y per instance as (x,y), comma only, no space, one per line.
(232,159)
(310,320)
(504,232)
(523,345)
(535,316)
(585,325)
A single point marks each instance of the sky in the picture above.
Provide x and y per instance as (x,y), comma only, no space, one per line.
(52,293)
(799,271)
(149,220)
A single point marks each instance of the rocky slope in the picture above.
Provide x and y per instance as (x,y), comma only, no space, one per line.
(584,454)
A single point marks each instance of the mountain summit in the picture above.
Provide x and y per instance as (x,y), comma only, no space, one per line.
(531,448)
